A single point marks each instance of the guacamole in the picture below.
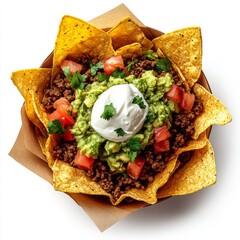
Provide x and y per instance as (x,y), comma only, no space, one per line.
(117,154)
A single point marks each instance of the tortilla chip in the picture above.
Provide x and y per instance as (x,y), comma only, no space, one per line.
(149,195)
(51,142)
(77,37)
(127,32)
(39,109)
(129,51)
(75,180)
(31,84)
(184,48)
(194,144)
(214,112)
(198,173)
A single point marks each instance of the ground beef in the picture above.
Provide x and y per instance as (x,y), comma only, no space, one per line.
(65,151)
(118,183)
(60,88)
(183,126)
(141,66)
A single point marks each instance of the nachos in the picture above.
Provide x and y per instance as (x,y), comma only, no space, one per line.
(123,115)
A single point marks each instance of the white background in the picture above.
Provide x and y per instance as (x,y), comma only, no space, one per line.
(31,209)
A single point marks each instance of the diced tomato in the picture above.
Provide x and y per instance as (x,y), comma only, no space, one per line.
(161,146)
(161,133)
(65,120)
(134,168)
(174,94)
(62,102)
(110,64)
(56,115)
(83,161)
(69,120)
(64,108)
(187,101)
(67,135)
(74,67)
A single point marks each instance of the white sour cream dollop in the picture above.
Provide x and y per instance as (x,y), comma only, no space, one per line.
(129,116)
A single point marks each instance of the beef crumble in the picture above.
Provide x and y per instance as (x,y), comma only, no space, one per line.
(117,183)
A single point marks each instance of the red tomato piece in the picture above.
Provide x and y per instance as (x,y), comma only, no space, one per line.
(174,94)
(83,161)
(134,168)
(69,120)
(74,67)
(162,146)
(54,115)
(110,64)
(62,102)
(161,133)
(67,135)
(64,107)
(187,101)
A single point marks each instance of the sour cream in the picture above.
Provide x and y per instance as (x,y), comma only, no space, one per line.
(129,116)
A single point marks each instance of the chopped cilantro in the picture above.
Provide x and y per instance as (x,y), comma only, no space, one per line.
(77,79)
(125,174)
(163,65)
(134,144)
(69,112)
(120,132)
(129,66)
(66,71)
(150,117)
(55,126)
(118,73)
(132,155)
(139,101)
(102,77)
(109,111)
(95,68)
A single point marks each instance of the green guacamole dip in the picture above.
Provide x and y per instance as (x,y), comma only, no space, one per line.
(116,154)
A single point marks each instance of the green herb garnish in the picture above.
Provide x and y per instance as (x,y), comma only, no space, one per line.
(129,66)
(150,117)
(77,79)
(69,112)
(132,155)
(95,68)
(134,144)
(139,101)
(163,65)
(118,73)
(120,132)
(109,111)
(55,126)
(102,77)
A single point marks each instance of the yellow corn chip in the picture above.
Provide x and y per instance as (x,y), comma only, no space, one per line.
(129,51)
(195,175)
(31,84)
(214,111)
(184,48)
(127,32)
(77,37)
